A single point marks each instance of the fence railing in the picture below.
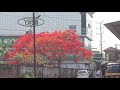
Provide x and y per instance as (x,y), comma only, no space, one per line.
(24,71)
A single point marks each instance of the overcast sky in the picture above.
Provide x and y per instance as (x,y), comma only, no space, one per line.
(109,39)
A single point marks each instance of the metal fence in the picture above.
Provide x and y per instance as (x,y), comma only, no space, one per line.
(22,71)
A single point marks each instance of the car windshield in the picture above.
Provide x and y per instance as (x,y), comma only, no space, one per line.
(79,72)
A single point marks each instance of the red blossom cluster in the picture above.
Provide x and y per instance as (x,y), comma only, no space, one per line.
(55,47)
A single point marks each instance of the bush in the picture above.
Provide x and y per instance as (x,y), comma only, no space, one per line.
(26,76)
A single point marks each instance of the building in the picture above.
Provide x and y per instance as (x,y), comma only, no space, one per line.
(15,24)
(112,54)
(114,27)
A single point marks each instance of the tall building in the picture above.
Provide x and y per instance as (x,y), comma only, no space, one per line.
(15,24)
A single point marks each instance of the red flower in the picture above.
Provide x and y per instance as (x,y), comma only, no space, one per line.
(60,44)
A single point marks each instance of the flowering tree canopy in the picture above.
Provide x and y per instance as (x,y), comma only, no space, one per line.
(54,47)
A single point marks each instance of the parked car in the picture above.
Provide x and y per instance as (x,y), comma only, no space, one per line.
(82,74)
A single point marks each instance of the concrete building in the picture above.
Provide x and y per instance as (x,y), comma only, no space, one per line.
(81,21)
(112,54)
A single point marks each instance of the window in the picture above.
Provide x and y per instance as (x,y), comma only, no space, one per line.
(72,27)
(108,70)
(83,31)
(113,69)
(107,56)
(81,71)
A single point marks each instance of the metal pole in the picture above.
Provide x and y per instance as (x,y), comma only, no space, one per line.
(42,71)
(101,40)
(101,47)
(34,44)
(116,46)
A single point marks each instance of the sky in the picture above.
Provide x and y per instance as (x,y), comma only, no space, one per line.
(109,39)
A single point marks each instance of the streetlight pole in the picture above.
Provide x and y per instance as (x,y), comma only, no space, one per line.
(34,44)
(100,28)
(102,74)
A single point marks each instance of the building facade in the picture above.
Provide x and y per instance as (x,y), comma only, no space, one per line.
(112,54)
(15,24)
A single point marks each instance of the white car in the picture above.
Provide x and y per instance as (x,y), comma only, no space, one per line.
(82,74)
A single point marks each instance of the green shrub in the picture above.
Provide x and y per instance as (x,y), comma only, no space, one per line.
(27,76)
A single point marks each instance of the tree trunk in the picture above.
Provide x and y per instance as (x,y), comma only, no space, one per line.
(59,64)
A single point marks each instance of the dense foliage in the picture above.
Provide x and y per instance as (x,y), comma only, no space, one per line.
(53,47)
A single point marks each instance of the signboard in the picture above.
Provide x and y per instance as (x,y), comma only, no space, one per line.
(28,22)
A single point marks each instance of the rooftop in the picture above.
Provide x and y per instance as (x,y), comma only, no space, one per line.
(111,49)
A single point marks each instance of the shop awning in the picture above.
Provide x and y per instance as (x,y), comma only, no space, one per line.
(114,27)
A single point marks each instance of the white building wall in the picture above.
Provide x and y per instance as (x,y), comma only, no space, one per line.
(89,20)
(9,25)
(53,21)
(79,65)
